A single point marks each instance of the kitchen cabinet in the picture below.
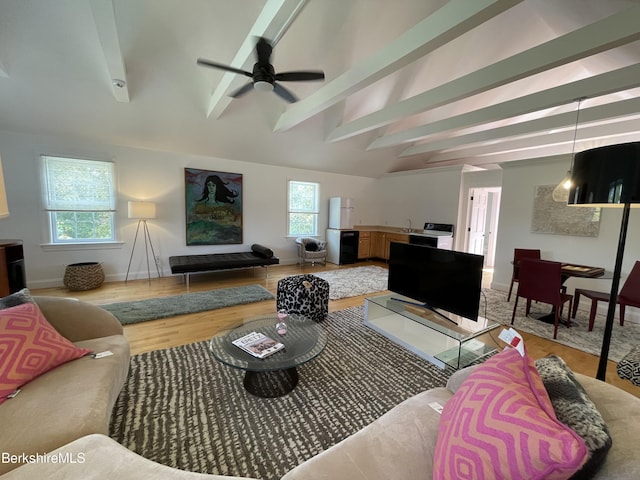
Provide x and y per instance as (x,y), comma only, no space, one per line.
(364,245)
(393,237)
(377,244)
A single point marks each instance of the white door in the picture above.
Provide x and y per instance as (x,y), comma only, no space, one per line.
(491,229)
(478,220)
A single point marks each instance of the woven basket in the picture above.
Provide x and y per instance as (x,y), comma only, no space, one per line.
(83,276)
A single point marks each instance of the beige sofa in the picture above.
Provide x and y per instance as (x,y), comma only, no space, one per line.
(399,446)
(74,399)
(65,413)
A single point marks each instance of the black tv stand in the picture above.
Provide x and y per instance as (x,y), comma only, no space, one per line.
(425,306)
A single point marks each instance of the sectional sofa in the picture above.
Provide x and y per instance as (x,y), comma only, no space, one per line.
(74,399)
(65,414)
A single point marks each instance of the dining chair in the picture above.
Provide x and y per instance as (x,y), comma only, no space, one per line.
(519,254)
(629,296)
(541,280)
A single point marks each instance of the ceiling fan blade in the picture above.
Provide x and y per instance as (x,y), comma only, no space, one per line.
(208,63)
(284,93)
(263,50)
(302,76)
(242,90)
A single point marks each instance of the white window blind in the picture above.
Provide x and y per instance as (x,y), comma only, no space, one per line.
(79,185)
(80,198)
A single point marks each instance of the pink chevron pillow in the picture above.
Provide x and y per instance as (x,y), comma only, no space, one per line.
(29,347)
(500,424)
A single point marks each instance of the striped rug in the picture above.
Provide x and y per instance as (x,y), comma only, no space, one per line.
(181,408)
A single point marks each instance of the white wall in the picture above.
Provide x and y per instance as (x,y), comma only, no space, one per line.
(158,177)
(435,195)
(518,182)
(422,196)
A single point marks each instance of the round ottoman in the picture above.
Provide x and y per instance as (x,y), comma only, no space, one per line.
(306,295)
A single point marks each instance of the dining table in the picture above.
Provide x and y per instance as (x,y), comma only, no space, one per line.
(583,271)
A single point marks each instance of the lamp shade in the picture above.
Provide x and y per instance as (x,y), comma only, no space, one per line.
(4,206)
(142,210)
(607,176)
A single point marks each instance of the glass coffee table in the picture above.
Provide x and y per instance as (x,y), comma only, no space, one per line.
(277,374)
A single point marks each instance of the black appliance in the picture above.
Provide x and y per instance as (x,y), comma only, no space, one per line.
(342,246)
(442,279)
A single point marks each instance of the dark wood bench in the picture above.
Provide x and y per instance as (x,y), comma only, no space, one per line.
(259,256)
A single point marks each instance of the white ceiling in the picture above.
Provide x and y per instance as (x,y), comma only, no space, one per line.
(410,84)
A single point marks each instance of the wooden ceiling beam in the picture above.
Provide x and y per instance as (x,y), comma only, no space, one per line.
(611,32)
(449,22)
(104,16)
(557,143)
(605,83)
(532,127)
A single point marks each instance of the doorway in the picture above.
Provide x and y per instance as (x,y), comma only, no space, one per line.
(482,221)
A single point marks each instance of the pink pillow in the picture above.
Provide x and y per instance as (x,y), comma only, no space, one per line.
(500,424)
(29,346)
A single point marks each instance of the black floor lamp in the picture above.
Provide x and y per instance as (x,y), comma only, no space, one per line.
(608,177)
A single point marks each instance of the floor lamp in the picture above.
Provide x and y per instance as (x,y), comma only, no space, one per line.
(143,211)
(608,177)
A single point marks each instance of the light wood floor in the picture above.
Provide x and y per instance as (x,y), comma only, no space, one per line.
(180,330)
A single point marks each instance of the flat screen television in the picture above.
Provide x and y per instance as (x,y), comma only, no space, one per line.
(441,279)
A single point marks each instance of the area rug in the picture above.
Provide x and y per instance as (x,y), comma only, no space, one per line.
(351,282)
(164,307)
(182,408)
(578,336)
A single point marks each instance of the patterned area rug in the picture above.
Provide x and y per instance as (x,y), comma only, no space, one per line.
(182,408)
(351,282)
(623,339)
(164,307)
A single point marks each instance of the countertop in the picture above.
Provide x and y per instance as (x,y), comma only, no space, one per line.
(388,229)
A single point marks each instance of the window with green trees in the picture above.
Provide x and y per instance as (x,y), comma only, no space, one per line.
(302,218)
(80,198)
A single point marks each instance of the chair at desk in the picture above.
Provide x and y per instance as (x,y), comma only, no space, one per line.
(541,280)
(628,296)
(519,254)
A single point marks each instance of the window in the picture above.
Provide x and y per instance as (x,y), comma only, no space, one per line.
(79,196)
(303,208)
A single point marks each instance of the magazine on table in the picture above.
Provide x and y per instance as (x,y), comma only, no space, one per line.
(258,344)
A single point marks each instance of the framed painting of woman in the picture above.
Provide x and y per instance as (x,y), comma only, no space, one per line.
(213,202)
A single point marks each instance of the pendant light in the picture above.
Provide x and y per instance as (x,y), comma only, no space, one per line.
(561,192)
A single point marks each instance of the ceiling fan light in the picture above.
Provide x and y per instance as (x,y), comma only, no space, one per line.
(263,86)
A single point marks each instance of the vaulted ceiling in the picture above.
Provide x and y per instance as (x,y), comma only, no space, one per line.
(409,85)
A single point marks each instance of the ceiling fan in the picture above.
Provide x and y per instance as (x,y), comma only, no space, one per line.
(264,77)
